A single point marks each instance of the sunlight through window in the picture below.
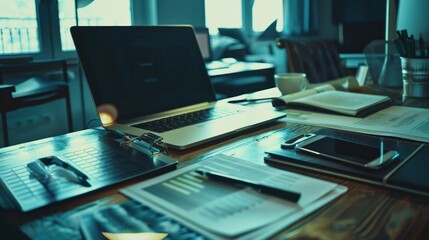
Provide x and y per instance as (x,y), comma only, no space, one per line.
(264,12)
(223,14)
(19,32)
(91,13)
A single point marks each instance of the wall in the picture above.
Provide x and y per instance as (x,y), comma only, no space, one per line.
(327,29)
(412,15)
(186,12)
(37,122)
(146,12)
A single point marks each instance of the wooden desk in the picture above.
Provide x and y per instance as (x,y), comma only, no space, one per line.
(240,69)
(242,77)
(365,211)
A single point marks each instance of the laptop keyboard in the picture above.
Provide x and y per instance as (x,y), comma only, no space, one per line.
(186,119)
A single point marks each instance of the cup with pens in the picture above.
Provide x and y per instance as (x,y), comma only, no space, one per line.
(415,64)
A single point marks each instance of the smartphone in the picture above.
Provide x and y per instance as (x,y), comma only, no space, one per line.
(349,152)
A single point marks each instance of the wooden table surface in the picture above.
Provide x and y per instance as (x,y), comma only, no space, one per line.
(364,212)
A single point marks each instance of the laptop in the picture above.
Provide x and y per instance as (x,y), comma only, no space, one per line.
(204,43)
(155,79)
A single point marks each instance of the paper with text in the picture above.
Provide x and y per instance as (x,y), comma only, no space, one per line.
(224,209)
(396,121)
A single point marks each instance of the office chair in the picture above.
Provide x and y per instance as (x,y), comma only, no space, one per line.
(318,58)
(37,88)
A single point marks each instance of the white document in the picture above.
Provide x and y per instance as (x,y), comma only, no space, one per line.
(396,121)
(225,211)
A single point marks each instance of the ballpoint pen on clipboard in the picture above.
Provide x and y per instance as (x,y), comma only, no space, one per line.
(50,168)
(69,171)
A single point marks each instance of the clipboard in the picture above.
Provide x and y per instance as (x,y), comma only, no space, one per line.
(92,151)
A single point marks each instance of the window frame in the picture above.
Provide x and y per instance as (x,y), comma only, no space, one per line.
(247,18)
(49,33)
(49,27)
(41,13)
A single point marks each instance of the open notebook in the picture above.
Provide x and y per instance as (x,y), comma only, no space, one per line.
(150,74)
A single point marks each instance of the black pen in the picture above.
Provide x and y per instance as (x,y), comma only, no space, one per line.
(273,191)
(81,177)
(412,46)
(250,100)
(422,46)
(400,47)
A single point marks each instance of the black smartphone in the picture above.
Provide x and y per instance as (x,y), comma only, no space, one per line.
(354,153)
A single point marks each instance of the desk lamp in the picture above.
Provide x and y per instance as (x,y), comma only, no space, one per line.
(412,15)
(390,75)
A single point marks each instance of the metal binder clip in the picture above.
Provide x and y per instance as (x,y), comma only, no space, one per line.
(147,141)
(291,143)
(155,142)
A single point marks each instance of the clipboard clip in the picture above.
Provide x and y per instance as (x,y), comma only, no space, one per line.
(145,142)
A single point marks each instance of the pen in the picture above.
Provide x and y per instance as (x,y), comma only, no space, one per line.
(422,46)
(40,171)
(44,174)
(273,191)
(400,47)
(404,33)
(250,100)
(412,43)
(80,176)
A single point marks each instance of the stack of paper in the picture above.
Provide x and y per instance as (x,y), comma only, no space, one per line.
(396,121)
(221,210)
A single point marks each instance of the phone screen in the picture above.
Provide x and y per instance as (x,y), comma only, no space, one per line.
(355,152)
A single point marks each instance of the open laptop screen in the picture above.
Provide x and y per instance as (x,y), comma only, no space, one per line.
(143,69)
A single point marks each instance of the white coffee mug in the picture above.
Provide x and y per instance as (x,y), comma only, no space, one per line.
(291,82)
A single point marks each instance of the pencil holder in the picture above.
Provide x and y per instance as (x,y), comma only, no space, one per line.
(415,76)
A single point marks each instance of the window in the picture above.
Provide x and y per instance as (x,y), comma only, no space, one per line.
(42,28)
(230,14)
(264,12)
(19,32)
(91,13)
(223,13)
(67,18)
